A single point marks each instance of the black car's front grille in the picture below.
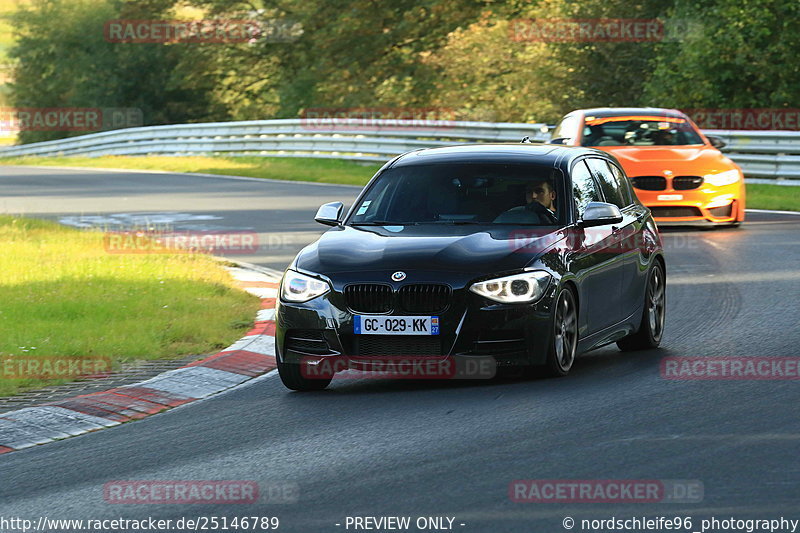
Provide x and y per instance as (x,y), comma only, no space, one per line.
(650,183)
(369,298)
(685,183)
(416,299)
(676,211)
(310,341)
(396,345)
(429,299)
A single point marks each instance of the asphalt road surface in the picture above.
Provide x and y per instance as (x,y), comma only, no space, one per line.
(432,449)
(280,213)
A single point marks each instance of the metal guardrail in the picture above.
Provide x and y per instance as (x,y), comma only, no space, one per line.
(377,140)
(761,154)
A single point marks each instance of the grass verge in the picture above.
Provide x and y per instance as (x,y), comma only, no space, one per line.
(281,168)
(64,297)
(322,171)
(778,197)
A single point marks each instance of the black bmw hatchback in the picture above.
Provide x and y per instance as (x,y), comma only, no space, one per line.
(525,254)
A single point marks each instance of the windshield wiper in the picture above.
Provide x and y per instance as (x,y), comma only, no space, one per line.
(525,224)
(382,223)
(457,222)
(449,222)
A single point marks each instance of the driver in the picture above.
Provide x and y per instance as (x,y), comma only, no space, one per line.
(541,192)
(539,206)
(664,137)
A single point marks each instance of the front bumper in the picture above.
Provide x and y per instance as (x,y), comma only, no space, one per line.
(707,205)
(470,326)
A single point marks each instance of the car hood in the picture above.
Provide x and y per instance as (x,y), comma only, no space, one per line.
(694,160)
(464,249)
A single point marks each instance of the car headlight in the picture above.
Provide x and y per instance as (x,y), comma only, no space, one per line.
(723,178)
(519,288)
(297,287)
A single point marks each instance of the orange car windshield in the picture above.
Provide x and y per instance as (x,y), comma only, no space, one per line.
(639,131)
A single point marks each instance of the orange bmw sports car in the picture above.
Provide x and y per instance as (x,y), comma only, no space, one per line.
(677,171)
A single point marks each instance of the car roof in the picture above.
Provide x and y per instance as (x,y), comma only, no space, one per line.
(625,111)
(536,154)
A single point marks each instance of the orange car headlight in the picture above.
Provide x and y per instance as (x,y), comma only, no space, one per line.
(728,177)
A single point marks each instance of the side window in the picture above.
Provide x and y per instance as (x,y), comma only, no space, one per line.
(608,182)
(625,186)
(567,129)
(584,189)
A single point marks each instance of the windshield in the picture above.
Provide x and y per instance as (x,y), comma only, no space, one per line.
(639,131)
(484,194)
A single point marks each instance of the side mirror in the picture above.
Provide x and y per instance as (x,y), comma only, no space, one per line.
(716,142)
(329,214)
(600,214)
(559,140)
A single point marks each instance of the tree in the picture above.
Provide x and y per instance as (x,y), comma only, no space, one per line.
(351,53)
(743,56)
(498,69)
(63,60)
(484,75)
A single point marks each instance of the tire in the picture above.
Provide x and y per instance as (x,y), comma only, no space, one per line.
(651,329)
(564,336)
(294,379)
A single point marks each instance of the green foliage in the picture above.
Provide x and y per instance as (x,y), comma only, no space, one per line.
(70,64)
(485,76)
(355,53)
(451,54)
(743,55)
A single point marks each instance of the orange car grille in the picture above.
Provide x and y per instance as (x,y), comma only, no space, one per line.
(650,183)
(685,183)
(675,211)
(659,183)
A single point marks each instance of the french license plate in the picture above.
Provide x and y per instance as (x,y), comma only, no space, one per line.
(395,325)
(670,197)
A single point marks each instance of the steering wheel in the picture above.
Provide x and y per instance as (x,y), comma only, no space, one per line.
(544,214)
